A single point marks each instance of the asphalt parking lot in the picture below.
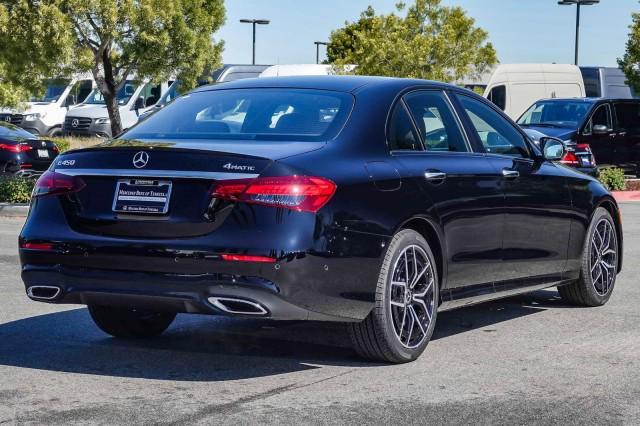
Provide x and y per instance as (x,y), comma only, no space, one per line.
(524,359)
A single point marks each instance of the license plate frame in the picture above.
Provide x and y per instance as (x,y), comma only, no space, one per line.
(146,197)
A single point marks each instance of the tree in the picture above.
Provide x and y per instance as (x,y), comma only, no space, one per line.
(431,41)
(116,40)
(630,62)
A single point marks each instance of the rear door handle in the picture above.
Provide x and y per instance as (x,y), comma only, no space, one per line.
(435,175)
(510,174)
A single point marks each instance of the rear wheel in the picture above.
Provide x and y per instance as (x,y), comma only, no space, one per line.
(130,323)
(599,264)
(401,324)
(56,132)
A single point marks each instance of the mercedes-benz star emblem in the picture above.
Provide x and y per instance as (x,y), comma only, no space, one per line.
(140,159)
(75,122)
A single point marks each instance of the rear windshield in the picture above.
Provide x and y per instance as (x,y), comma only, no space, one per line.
(251,114)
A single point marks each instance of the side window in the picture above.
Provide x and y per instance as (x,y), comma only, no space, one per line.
(401,131)
(628,116)
(79,92)
(498,95)
(498,136)
(601,116)
(150,93)
(435,121)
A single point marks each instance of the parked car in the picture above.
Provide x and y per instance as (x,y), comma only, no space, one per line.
(91,119)
(372,201)
(608,128)
(606,82)
(514,87)
(22,153)
(44,115)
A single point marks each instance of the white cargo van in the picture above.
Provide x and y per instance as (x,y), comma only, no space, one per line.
(606,82)
(44,115)
(514,88)
(92,119)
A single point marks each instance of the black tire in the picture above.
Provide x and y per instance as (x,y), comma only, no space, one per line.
(587,291)
(56,132)
(376,337)
(130,323)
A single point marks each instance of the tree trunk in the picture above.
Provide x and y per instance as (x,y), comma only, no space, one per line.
(111,101)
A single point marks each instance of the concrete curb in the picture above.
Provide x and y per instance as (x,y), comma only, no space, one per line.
(13,210)
(626,196)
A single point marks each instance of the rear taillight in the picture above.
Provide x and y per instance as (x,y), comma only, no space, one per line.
(570,159)
(300,193)
(15,148)
(247,258)
(52,183)
(36,246)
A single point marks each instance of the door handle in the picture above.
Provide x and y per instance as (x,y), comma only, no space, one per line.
(435,176)
(510,174)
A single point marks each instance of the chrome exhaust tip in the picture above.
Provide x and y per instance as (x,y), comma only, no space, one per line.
(43,292)
(237,306)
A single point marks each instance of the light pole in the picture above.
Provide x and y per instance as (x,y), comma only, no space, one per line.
(318,44)
(254,22)
(578,3)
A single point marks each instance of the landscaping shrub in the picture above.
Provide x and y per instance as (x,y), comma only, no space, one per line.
(613,179)
(16,189)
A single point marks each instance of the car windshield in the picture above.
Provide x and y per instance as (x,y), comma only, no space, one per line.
(14,132)
(249,114)
(555,114)
(55,89)
(124,94)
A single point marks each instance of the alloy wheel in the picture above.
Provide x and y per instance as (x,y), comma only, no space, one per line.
(603,258)
(411,298)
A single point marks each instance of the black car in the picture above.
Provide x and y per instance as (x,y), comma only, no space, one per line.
(22,153)
(373,201)
(602,132)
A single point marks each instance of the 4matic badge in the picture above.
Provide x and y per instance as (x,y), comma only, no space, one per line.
(231,166)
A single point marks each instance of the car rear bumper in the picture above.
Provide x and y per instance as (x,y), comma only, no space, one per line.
(165,292)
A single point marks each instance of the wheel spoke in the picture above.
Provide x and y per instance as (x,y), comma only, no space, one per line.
(424,307)
(420,275)
(417,320)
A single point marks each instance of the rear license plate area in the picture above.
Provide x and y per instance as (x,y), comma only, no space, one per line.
(135,196)
(43,153)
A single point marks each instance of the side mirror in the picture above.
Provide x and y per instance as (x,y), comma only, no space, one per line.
(600,129)
(139,104)
(553,149)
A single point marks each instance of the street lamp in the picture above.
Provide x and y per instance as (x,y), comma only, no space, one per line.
(578,3)
(318,44)
(254,22)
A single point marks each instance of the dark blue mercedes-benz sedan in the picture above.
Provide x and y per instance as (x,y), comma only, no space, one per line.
(373,201)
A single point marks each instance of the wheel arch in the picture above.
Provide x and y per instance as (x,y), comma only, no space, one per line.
(430,231)
(611,206)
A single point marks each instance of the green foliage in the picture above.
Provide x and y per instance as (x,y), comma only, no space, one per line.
(613,179)
(16,189)
(62,144)
(630,62)
(34,45)
(115,40)
(431,41)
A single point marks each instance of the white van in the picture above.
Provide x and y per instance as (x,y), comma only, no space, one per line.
(45,115)
(296,69)
(92,119)
(606,82)
(514,88)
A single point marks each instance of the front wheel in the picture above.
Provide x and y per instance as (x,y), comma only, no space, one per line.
(130,323)
(401,324)
(599,264)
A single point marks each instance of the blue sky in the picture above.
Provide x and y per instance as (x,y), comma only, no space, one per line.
(521,30)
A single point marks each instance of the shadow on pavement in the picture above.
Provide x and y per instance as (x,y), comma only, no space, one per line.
(203,348)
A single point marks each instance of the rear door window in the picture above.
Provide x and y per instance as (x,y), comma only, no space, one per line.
(628,116)
(401,132)
(436,122)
